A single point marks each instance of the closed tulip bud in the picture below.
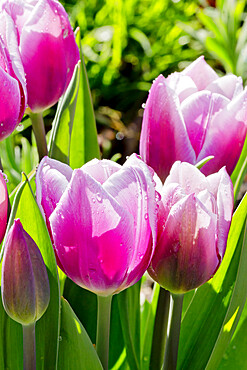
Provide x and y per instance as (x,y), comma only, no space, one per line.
(102,220)
(25,285)
(192,115)
(47,46)
(194,217)
(12,78)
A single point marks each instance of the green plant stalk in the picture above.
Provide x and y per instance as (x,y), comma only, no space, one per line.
(29,347)
(103,329)
(160,330)
(39,133)
(171,351)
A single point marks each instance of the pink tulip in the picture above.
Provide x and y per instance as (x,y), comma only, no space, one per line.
(193,222)
(192,115)
(25,285)
(12,78)
(102,218)
(3,206)
(47,46)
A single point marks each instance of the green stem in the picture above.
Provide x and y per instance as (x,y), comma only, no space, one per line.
(29,347)
(171,352)
(160,330)
(39,133)
(103,329)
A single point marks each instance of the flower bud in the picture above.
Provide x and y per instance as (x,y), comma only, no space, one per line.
(25,285)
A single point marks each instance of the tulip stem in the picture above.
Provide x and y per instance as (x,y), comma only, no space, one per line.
(174,323)
(103,329)
(39,133)
(160,330)
(29,347)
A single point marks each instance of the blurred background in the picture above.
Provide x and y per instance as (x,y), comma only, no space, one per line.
(126,45)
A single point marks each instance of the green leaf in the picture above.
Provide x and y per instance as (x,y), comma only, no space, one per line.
(200,164)
(75,348)
(47,328)
(129,310)
(214,311)
(73,138)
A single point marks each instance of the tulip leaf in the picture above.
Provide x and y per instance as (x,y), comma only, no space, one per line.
(74,136)
(75,348)
(218,304)
(200,164)
(47,328)
(129,310)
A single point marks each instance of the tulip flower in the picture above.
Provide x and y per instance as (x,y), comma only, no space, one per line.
(102,218)
(192,115)
(25,284)
(3,206)
(194,217)
(47,47)
(12,78)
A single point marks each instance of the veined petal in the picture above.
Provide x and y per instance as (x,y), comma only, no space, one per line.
(52,179)
(101,170)
(93,235)
(225,137)
(229,86)
(198,111)
(163,128)
(201,73)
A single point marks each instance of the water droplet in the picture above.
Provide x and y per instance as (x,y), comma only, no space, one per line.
(143,105)
(60,338)
(65,33)
(1,124)
(99,197)
(157,196)
(93,200)
(146,197)
(146,216)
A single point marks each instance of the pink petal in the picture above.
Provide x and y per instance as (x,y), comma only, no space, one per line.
(101,170)
(186,254)
(93,235)
(164,138)
(184,86)
(225,136)
(229,86)
(134,189)
(201,73)
(198,111)
(52,179)
(3,206)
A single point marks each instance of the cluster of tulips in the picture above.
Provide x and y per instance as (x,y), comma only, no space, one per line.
(108,223)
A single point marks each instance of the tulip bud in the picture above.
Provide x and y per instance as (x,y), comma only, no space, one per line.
(25,285)
(193,222)
(192,115)
(47,46)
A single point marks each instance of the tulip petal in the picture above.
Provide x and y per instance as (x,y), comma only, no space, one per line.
(201,73)
(228,86)
(164,137)
(184,86)
(198,111)
(90,239)
(101,170)
(225,136)
(222,186)
(186,255)
(134,189)
(51,180)
(3,206)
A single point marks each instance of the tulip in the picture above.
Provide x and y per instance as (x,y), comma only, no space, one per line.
(102,219)
(194,217)
(192,115)
(47,46)
(3,206)
(12,78)
(25,285)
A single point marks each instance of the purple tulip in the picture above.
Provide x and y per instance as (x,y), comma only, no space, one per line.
(102,218)
(192,115)
(47,46)
(25,285)
(193,222)
(12,78)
